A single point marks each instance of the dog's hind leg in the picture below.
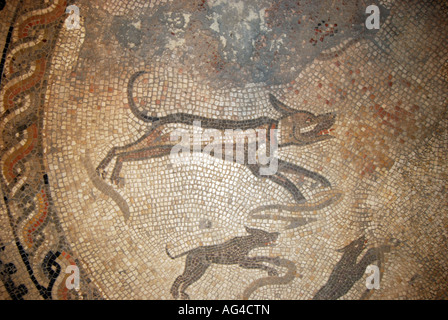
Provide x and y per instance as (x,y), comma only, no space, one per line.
(136,155)
(100,169)
(192,275)
(184,295)
(152,144)
(175,287)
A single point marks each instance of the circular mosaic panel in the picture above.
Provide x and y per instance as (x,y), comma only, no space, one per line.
(223,149)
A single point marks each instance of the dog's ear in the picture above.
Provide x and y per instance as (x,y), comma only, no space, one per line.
(352,246)
(280,106)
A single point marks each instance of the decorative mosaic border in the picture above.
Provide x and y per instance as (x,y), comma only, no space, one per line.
(34,223)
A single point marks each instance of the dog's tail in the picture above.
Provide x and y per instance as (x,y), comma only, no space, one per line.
(138,113)
(175,257)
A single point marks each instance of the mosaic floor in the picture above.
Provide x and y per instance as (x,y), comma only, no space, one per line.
(342,189)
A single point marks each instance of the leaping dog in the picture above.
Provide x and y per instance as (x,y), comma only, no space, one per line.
(233,251)
(298,128)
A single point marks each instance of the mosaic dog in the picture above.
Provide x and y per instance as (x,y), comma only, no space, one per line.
(349,269)
(298,128)
(233,251)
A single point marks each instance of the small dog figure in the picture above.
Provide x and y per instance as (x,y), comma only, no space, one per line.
(234,251)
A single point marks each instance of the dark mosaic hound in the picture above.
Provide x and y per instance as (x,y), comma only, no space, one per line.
(233,251)
(298,128)
(349,269)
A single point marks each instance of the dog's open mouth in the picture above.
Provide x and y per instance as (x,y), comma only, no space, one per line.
(315,130)
(321,128)
(271,244)
(324,132)
(308,129)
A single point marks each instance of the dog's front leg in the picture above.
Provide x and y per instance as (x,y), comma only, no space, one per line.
(273,260)
(254,263)
(115,176)
(281,180)
(288,185)
(288,167)
(100,169)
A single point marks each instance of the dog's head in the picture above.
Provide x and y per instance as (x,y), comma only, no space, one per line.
(302,127)
(355,247)
(263,238)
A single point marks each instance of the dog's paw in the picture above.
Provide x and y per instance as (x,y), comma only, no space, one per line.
(185,296)
(101,173)
(118,181)
(276,261)
(273,273)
